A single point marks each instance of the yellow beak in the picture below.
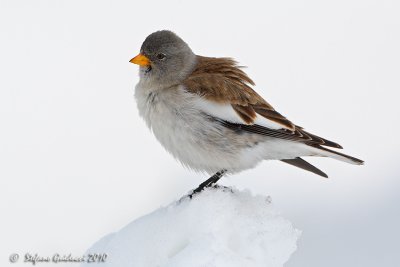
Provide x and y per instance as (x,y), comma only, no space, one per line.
(141,60)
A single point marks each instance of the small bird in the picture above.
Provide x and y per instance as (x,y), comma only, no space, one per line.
(204,112)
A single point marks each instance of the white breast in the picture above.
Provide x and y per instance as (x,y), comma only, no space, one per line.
(169,113)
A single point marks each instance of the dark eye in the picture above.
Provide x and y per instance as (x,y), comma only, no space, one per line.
(160,56)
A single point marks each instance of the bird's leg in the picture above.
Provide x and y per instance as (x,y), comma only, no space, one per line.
(209,182)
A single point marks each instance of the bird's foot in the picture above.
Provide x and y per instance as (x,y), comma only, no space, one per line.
(210,182)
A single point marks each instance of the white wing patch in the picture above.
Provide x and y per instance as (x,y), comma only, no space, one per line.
(227,113)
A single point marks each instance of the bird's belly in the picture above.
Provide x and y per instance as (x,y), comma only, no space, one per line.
(191,139)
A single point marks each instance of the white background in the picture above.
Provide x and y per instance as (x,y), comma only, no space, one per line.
(77,162)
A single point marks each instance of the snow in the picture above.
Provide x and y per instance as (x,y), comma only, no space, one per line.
(218,227)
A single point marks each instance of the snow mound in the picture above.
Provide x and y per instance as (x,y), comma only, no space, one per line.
(218,227)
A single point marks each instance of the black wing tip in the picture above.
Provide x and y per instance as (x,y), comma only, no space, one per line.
(324,142)
(330,144)
(337,145)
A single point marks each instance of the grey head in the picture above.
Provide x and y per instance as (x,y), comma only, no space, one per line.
(165,59)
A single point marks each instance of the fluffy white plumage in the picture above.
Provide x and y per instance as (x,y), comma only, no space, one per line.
(180,124)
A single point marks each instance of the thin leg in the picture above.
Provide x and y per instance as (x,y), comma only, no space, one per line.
(209,182)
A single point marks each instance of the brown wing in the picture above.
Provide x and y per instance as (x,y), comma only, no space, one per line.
(222,80)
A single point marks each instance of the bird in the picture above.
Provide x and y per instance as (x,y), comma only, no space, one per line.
(206,114)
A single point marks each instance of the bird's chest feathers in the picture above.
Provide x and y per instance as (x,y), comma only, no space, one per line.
(166,113)
(158,108)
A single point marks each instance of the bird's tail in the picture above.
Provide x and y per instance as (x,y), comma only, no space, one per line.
(302,164)
(325,152)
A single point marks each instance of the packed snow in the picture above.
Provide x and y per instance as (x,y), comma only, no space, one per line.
(218,227)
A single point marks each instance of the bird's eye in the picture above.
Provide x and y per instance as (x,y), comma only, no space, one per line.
(160,56)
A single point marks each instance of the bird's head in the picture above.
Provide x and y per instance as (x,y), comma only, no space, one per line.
(165,58)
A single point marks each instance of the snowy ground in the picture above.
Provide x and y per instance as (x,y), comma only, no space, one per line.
(218,227)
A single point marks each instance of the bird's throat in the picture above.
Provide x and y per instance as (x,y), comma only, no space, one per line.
(148,69)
